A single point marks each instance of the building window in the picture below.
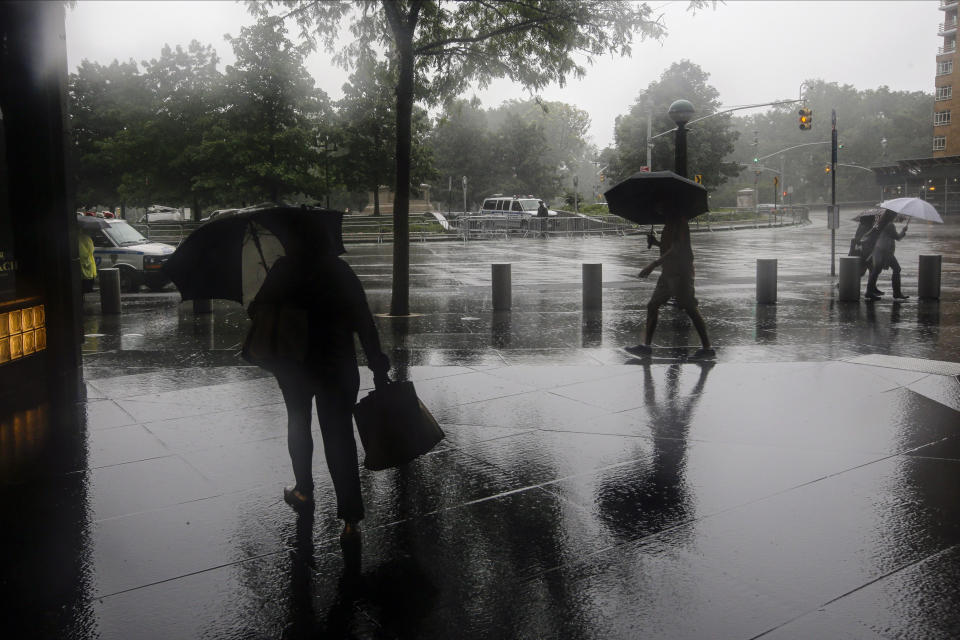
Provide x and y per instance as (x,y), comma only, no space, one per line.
(945,67)
(945,93)
(941,118)
(939,143)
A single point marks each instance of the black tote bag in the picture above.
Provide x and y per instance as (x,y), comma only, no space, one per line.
(394,426)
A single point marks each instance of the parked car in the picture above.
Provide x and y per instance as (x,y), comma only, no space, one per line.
(162,213)
(138,259)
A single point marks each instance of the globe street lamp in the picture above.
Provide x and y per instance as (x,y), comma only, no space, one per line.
(681,111)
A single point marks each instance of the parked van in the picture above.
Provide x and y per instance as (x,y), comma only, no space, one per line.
(139,260)
(516,209)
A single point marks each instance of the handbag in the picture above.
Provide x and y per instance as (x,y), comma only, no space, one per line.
(278,336)
(395,427)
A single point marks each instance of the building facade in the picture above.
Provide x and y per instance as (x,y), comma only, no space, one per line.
(935,178)
(946,136)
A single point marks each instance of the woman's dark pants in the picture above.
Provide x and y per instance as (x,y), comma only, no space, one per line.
(335,390)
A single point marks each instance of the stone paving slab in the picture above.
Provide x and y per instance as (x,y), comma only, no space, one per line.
(795,488)
(578,501)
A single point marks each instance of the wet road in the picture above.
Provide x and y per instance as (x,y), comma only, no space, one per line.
(806,485)
(451,288)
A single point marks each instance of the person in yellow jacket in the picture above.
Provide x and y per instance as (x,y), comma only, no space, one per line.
(88,266)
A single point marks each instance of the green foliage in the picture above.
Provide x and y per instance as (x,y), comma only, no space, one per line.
(105,101)
(864,119)
(708,142)
(180,132)
(272,115)
(531,147)
(441,47)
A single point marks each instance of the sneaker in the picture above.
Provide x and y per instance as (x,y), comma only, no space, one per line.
(297,499)
(639,351)
(705,353)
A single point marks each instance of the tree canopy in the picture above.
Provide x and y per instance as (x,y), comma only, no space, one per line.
(441,47)
(708,142)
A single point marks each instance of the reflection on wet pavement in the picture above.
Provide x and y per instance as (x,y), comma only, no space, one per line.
(789,490)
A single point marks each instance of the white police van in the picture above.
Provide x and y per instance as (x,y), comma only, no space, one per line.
(517,210)
(139,260)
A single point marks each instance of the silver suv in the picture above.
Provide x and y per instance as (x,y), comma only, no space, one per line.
(514,208)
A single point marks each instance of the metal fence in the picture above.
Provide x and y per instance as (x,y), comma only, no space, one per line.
(488,227)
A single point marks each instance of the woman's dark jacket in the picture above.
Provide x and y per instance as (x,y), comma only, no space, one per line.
(336,307)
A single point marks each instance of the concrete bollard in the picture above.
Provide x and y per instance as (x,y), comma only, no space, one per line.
(849,279)
(766,280)
(928,277)
(592,287)
(501,286)
(202,306)
(109,290)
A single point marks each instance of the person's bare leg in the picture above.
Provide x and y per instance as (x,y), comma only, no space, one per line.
(653,313)
(700,325)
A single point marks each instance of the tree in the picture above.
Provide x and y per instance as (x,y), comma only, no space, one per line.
(266,142)
(158,158)
(366,134)
(440,47)
(708,142)
(463,145)
(105,100)
(866,118)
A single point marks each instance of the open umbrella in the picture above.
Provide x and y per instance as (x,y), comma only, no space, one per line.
(912,208)
(653,197)
(872,212)
(91,224)
(228,258)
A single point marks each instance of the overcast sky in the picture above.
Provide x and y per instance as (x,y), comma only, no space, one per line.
(754,51)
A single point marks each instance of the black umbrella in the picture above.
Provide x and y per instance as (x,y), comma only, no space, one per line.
(211,262)
(652,197)
(91,224)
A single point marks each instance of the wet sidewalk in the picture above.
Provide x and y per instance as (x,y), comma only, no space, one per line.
(805,485)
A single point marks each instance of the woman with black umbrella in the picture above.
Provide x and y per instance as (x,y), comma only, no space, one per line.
(330,292)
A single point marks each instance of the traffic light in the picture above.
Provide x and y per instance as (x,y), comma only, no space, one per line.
(826,169)
(806,119)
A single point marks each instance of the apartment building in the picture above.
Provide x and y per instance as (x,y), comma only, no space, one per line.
(946,136)
(935,178)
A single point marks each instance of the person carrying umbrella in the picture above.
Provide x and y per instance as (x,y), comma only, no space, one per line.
(884,236)
(307,278)
(337,308)
(664,197)
(676,280)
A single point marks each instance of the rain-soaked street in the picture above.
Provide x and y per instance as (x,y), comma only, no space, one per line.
(806,484)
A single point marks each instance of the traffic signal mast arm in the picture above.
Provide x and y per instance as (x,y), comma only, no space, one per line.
(805,144)
(720,113)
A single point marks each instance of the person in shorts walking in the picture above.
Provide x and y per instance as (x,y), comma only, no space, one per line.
(676,281)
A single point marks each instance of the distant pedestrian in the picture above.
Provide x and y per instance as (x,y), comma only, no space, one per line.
(884,238)
(676,280)
(542,211)
(328,289)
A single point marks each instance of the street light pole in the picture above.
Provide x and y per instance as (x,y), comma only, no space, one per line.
(680,112)
(834,215)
